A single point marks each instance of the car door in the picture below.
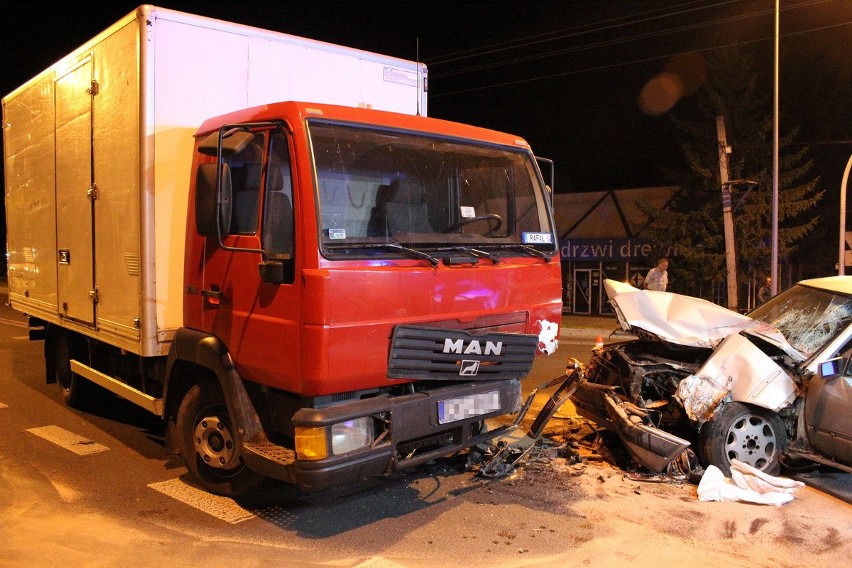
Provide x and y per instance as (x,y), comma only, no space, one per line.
(828,413)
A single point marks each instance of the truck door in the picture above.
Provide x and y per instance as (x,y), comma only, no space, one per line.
(257,320)
(74,194)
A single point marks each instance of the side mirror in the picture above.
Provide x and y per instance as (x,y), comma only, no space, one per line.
(212,200)
(831,368)
(233,142)
(277,271)
(547,164)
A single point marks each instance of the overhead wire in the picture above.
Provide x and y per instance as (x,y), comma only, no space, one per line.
(570,32)
(612,42)
(604,43)
(805,3)
(634,61)
(477,52)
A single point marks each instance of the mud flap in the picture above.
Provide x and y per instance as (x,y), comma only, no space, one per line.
(511,447)
(650,447)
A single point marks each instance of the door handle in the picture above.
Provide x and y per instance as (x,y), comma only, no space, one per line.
(214,296)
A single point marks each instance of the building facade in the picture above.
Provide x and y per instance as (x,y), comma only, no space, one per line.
(600,237)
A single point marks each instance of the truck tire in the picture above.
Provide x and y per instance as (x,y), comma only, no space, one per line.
(209,445)
(77,392)
(749,434)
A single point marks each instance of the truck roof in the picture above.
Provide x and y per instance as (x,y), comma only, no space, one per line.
(307,110)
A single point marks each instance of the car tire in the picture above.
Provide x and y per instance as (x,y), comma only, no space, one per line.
(749,434)
(209,446)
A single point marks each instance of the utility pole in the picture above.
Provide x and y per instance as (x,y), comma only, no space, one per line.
(727,214)
(775,159)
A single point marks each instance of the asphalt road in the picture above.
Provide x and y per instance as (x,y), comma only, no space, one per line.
(97,489)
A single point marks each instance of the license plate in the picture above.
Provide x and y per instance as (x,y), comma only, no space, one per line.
(453,409)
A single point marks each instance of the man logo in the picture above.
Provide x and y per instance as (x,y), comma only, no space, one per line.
(469,368)
(472,348)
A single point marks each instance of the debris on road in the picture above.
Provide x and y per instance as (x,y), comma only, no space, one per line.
(508,450)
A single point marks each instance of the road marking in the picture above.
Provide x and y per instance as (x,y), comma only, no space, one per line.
(222,508)
(68,440)
(378,562)
(13,322)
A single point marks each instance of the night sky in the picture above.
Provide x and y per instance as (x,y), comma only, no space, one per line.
(568,76)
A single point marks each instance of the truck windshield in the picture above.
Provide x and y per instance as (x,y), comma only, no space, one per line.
(425,192)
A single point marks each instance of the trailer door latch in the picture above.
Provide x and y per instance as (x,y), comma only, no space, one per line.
(94,296)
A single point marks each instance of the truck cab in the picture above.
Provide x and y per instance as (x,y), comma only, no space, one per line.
(378,281)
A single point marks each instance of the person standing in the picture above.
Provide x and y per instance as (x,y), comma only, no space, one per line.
(658,277)
(765,291)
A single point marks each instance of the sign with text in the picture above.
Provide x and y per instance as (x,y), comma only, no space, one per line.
(631,249)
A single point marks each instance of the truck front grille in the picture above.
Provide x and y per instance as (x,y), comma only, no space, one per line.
(452,354)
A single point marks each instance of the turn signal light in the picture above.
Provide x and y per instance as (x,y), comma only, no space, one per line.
(311,443)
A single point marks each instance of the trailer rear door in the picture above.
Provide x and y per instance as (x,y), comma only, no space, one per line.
(74,194)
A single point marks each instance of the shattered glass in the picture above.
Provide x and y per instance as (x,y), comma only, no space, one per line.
(808,318)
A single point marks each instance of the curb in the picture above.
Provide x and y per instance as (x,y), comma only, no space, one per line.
(591,333)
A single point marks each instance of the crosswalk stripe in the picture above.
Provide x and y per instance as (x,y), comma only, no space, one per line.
(68,440)
(220,507)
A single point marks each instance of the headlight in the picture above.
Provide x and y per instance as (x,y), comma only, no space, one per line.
(351,435)
(312,443)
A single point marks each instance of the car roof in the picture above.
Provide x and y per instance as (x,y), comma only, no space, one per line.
(839,284)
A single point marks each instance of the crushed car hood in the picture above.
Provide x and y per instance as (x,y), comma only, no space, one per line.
(684,320)
(740,370)
(736,368)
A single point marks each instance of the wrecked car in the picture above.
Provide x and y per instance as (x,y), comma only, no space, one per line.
(770,388)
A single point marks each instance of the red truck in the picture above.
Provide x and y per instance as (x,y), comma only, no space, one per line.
(313,292)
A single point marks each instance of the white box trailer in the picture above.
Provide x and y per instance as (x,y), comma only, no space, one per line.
(98,149)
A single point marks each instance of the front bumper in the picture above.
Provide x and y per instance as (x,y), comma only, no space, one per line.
(651,447)
(411,435)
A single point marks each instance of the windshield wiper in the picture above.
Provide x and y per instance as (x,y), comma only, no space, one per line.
(410,252)
(482,254)
(525,249)
(474,252)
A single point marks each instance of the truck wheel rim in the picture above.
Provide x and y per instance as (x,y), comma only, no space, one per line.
(214,443)
(751,440)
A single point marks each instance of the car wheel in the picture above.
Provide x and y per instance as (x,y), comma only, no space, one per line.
(754,436)
(209,445)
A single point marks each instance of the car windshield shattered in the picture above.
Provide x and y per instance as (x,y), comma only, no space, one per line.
(395,193)
(807,317)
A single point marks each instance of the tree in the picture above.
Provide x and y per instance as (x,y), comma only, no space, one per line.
(738,91)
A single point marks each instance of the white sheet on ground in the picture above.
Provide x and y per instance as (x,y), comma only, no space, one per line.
(747,484)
